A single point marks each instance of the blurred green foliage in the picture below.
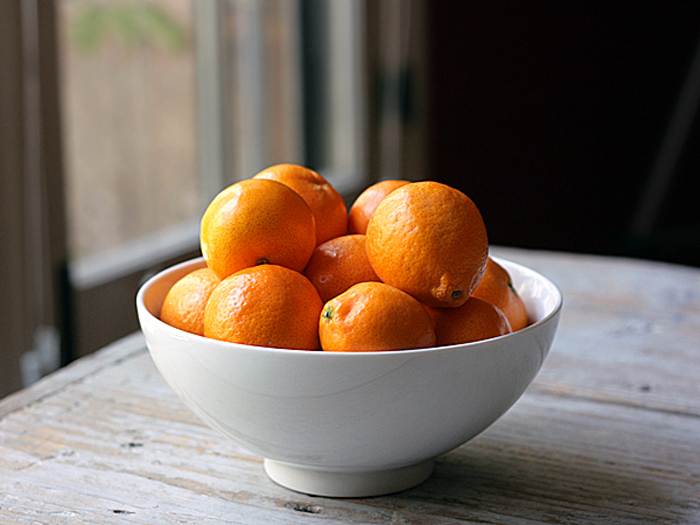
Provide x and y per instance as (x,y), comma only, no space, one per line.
(131,24)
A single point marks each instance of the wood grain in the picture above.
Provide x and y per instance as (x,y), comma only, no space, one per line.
(106,441)
(629,331)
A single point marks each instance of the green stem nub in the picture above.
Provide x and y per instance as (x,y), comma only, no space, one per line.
(262,260)
(327,313)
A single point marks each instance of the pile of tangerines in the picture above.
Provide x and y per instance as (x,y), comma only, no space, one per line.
(288,266)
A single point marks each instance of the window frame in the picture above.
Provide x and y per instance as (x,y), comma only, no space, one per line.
(35,328)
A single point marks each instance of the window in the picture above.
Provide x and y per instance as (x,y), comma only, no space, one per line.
(162,103)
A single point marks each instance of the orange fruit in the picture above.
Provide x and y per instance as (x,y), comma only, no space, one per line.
(183,306)
(257,221)
(374,316)
(429,240)
(338,264)
(266,305)
(473,321)
(365,204)
(325,202)
(497,288)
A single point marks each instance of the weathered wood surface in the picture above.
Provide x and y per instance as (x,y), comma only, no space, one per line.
(609,432)
(629,331)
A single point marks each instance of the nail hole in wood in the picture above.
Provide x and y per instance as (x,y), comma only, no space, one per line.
(302,507)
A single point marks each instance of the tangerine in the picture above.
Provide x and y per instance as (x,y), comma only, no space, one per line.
(183,306)
(372,317)
(362,209)
(429,240)
(327,205)
(475,320)
(257,221)
(496,287)
(266,305)
(338,264)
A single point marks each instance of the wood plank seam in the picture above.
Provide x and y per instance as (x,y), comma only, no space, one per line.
(600,397)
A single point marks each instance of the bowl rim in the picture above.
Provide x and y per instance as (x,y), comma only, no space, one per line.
(142,310)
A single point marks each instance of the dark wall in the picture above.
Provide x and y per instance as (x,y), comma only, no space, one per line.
(550,116)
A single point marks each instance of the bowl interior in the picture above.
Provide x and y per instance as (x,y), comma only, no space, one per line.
(541,296)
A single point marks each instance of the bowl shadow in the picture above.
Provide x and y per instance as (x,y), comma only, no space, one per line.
(480,481)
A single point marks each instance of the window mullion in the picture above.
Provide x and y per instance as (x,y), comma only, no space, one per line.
(213,99)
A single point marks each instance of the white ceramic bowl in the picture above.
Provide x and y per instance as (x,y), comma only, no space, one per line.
(350,424)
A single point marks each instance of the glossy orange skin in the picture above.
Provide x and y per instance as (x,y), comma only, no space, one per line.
(373,317)
(327,205)
(475,320)
(183,306)
(265,305)
(429,240)
(362,209)
(497,288)
(338,264)
(257,221)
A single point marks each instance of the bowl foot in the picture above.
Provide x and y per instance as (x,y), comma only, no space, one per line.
(344,484)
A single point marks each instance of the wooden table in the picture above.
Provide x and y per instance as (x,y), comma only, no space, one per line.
(609,432)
